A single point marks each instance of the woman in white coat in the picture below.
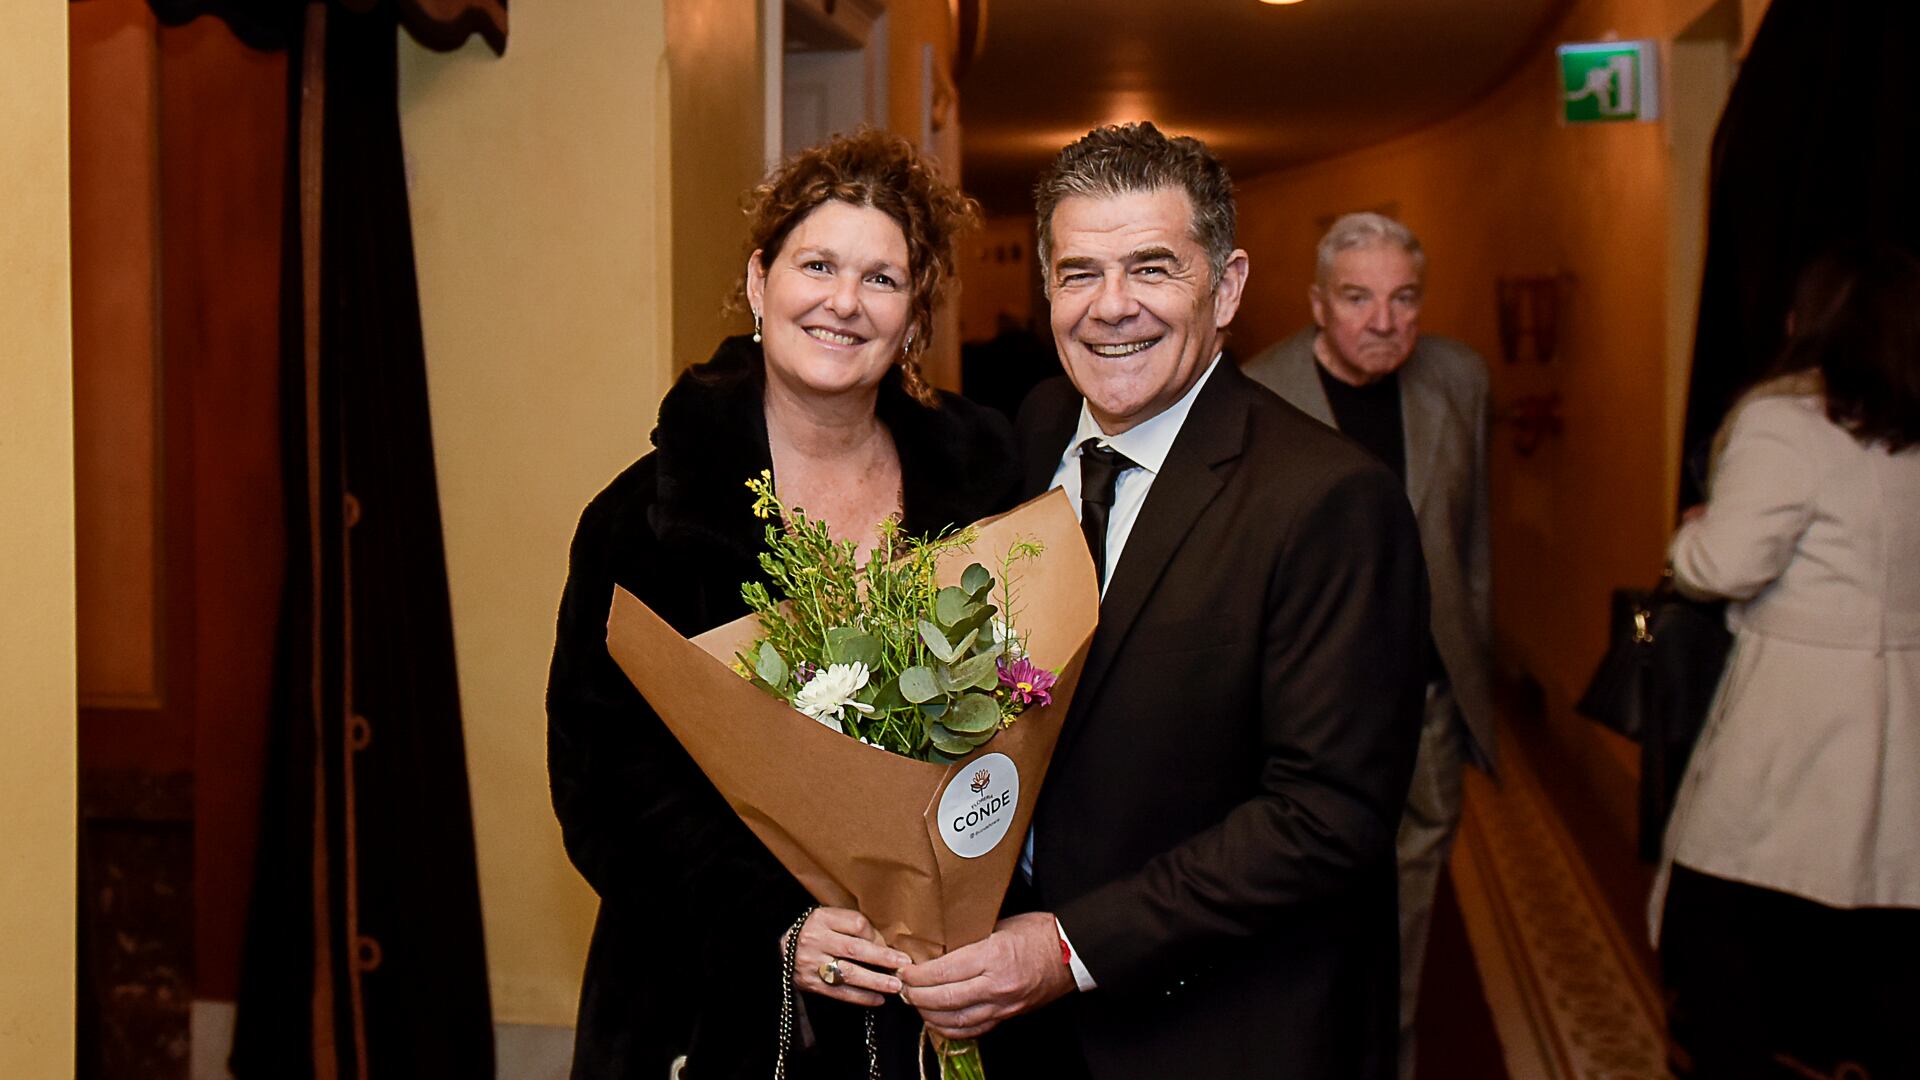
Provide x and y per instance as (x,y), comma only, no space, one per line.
(1791,885)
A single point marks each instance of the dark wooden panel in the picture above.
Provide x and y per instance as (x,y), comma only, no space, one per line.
(116,378)
(222,160)
(136,938)
(178,157)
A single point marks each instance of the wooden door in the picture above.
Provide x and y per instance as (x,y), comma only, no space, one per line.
(177,167)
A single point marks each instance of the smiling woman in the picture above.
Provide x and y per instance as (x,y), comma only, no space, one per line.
(881,174)
(834,302)
(852,245)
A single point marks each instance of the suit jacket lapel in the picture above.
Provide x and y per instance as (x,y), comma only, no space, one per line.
(1049,442)
(1214,432)
(1298,378)
(1423,407)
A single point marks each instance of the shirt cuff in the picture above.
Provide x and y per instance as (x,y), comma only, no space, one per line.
(1081,976)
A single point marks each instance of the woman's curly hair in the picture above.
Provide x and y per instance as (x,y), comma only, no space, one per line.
(871,168)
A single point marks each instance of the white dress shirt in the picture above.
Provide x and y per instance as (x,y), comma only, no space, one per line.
(1146,444)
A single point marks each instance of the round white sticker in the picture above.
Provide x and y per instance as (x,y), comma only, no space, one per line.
(977,807)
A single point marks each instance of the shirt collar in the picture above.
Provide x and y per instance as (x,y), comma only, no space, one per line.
(1148,442)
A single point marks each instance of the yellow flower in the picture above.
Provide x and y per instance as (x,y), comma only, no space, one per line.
(764,504)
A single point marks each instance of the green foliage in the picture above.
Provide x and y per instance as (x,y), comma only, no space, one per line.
(917,685)
(769,666)
(976,581)
(932,662)
(846,645)
(973,714)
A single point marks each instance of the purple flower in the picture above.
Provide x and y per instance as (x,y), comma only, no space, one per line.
(805,672)
(1026,683)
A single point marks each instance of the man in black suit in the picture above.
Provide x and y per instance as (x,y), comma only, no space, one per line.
(1208,890)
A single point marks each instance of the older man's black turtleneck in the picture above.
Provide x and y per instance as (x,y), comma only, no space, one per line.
(1370,416)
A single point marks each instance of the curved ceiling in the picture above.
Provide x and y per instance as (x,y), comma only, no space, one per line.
(1266,86)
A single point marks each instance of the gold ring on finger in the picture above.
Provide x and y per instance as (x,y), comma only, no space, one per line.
(830,973)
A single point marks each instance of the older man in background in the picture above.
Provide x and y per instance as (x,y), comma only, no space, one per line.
(1418,403)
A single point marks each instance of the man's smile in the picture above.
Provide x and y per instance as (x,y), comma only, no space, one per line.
(1122,349)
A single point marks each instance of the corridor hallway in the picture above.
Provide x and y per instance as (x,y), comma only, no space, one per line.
(574,219)
(1565,977)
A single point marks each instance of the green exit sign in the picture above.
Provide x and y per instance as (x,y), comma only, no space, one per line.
(1608,81)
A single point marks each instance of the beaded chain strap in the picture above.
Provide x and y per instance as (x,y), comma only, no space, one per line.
(787,1008)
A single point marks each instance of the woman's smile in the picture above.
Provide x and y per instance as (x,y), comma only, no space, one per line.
(835,337)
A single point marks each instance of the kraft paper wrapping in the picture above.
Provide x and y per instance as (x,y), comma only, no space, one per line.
(859,826)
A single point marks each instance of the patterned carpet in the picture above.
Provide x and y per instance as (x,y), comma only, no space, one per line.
(1568,998)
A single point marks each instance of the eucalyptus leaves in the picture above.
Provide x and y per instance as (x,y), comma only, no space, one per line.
(881,651)
(955,689)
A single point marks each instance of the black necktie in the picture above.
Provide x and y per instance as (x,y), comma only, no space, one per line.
(1100,467)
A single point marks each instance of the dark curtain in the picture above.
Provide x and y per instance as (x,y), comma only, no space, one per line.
(1819,144)
(272,25)
(267,25)
(364,953)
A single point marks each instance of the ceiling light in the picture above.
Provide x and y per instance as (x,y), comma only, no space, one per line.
(1278,2)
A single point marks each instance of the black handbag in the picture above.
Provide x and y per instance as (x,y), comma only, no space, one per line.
(1665,656)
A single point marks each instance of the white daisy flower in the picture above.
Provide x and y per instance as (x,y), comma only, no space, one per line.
(828,695)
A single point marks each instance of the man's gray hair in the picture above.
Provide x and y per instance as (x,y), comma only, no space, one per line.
(1122,159)
(1365,229)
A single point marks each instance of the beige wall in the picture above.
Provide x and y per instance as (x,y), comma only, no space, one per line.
(1503,189)
(913,25)
(540,222)
(37,771)
(719,112)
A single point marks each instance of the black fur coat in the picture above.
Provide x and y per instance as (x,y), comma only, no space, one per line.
(684,957)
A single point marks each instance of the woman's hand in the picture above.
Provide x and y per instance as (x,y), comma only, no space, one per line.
(863,975)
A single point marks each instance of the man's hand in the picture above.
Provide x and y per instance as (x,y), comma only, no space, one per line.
(1017,969)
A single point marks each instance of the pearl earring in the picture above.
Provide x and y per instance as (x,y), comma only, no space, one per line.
(756,326)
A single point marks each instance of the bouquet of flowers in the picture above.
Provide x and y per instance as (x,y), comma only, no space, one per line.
(887,655)
(883,652)
(921,683)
